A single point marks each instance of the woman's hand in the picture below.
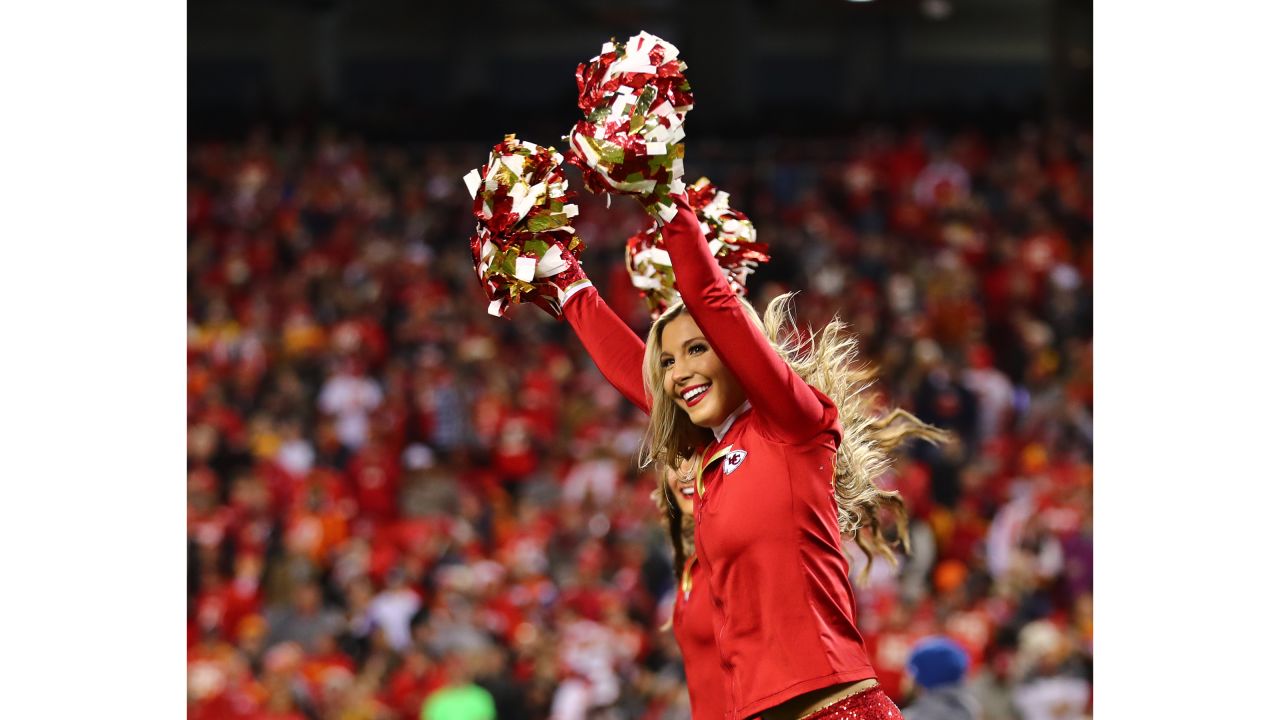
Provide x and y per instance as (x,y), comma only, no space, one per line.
(568,281)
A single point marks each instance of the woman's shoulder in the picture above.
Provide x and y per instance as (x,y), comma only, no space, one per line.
(828,426)
(822,397)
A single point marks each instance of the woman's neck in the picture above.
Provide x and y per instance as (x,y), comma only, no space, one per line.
(724,426)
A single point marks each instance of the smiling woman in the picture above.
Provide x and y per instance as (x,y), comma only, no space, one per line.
(731,394)
(794,428)
(693,374)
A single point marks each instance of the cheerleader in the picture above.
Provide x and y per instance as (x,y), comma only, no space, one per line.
(619,354)
(691,618)
(788,469)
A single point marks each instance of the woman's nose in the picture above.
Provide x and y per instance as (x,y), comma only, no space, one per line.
(680,374)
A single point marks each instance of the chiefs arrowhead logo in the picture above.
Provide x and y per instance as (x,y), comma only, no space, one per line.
(733,460)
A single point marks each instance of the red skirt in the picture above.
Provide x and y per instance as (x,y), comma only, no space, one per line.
(870,704)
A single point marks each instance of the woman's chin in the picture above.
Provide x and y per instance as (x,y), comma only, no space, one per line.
(704,418)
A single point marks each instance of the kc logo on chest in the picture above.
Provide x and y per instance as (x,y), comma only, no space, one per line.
(729,459)
(734,460)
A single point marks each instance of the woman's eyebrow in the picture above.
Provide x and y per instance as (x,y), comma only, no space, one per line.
(685,344)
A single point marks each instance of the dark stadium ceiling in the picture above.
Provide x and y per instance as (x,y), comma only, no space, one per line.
(364,58)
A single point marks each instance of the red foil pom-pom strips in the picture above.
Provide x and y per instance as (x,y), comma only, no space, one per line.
(634,98)
(522,224)
(730,232)
(649,266)
(731,237)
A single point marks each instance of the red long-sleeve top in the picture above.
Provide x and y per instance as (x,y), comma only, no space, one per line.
(695,632)
(766,527)
(620,355)
(610,342)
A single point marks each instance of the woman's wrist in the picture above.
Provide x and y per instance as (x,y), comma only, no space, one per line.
(571,289)
(569,281)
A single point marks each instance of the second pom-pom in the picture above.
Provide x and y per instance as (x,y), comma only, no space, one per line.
(523,233)
(731,237)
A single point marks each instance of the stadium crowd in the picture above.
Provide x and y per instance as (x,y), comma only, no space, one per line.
(400,507)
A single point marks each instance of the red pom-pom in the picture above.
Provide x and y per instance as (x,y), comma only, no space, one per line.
(522,225)
(634,98)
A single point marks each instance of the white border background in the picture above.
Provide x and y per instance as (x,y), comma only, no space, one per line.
(1185,149)
(92,360)
(92,410)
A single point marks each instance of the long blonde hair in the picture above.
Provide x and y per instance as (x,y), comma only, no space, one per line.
(826,361)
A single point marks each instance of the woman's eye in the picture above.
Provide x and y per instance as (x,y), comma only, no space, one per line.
(697,348)
(666,363)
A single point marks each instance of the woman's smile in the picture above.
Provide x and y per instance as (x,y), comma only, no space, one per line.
(695,377)
(692,396)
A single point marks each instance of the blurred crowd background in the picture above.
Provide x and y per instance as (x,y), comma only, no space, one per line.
(401,507)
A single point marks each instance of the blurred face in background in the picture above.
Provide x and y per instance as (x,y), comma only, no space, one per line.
(306,599)
(680,486)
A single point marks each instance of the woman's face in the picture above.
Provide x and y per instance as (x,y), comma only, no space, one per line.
(693,375)
(680,486)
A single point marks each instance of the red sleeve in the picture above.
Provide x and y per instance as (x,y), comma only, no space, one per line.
(614,347)
(786,403)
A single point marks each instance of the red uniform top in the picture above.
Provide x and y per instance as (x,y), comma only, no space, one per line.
(766,527)
(619,354)
(691,621)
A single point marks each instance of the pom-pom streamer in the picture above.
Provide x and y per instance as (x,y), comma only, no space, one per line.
(634,98)
(522,210)
(730,234)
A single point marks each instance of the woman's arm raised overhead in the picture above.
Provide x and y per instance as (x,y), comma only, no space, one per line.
(614,347)
(789,407)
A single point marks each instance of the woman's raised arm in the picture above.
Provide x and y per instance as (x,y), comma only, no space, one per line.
(789,406)
(614,347)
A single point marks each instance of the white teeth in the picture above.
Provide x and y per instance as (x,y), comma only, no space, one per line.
(695,392)
(687,492)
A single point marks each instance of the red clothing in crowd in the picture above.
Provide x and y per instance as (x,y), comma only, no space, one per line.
(766,517)
(375,477)
(890,650)
(409,687)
